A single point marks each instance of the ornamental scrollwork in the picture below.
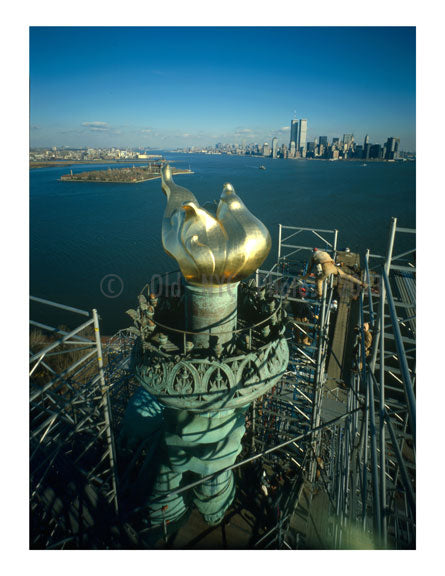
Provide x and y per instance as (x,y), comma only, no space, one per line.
(202,384)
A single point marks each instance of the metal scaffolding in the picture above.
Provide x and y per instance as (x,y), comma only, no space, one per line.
(362,457)
(73,480)
(374,451)
(294,407)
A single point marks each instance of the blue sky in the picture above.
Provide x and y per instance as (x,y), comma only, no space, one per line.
(168,87)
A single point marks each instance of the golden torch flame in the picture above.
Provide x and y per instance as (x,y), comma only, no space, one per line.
(211,250)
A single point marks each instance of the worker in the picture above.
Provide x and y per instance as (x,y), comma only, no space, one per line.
(325,267)
(320,467)
(368,338)
(302,312)
(357,351)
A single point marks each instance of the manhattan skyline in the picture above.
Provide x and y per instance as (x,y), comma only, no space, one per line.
(168,87)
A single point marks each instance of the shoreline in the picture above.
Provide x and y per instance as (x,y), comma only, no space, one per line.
(258,157)
(62,163)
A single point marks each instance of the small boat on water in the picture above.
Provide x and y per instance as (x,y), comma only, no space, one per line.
(364,164)
(262,167)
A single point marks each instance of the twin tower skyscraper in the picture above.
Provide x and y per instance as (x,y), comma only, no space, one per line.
(298,134)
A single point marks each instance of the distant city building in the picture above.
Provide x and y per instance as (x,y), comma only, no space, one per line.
(392,148)
(319,147)
(302,134)
(347,139)
(323,141)
(293,133)
(366,151)
(375,151)
(274,147)
(310,149)
(358,151)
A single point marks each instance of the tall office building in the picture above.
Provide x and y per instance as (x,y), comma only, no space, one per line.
(392,148)
(366,149)
(323,141)
(358,151)
(274,147)
(366,140)
(293,133)
(376,151)
(347,140)
(266,149)
(310,149)
(302,133)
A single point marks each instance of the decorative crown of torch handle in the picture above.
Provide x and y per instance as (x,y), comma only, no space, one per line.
(211,250)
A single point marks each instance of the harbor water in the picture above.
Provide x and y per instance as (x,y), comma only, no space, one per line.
(95,245)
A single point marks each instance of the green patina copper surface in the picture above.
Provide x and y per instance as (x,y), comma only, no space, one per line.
(205,354)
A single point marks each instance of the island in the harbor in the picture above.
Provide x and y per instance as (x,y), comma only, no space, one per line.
(128,175)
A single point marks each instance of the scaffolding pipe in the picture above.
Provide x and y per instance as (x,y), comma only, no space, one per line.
(318,383)
(253,423)
(61,341)
(79,339)
(387,267)
(398,453)
(348,424)
(279,243)
(403,471)
(338,489)
(368,281)
(407,382)
(365,461)
(269,532)
(306,229)
(403,254)
(374,459)
(384,527)
(107,410)
(391,244)
(60,376)
(371,407)
(61,306)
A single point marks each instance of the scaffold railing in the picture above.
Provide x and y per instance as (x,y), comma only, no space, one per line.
(73,480)
(294,405)
(374,487)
